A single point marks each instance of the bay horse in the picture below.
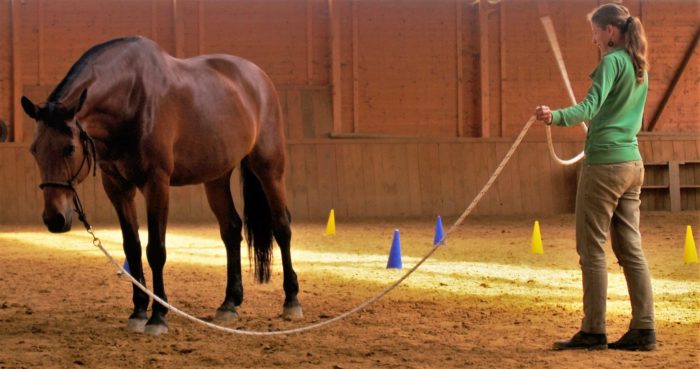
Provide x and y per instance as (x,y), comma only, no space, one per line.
(151,121)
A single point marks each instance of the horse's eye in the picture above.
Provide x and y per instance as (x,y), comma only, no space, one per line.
(69,150)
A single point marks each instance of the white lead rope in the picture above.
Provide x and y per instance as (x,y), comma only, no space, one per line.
(546,22)
(549,29)
(97,243)
(552,37)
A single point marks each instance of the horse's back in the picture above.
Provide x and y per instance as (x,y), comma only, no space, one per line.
(229,103)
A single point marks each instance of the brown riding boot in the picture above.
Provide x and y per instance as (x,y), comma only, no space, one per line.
(583,341)
(636,340)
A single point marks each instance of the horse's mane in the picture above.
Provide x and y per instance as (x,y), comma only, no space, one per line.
(79,65)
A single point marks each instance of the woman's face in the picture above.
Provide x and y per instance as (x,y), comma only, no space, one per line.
(601,36)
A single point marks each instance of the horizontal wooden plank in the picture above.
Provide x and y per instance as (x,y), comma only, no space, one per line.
(368,179)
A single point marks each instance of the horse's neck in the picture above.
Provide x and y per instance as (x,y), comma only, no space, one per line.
(69,96)
(110,98)
(104,114)
(116,96)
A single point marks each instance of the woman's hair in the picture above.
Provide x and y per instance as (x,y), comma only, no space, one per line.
(633,36)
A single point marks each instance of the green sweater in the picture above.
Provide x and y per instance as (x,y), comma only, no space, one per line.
(613,107)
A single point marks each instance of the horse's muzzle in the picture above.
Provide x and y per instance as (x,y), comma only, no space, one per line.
(57,223)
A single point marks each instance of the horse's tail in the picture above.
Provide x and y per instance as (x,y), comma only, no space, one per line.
(258,222)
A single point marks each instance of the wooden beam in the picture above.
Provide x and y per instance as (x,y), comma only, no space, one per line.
(676,77)
(309,43)
(40,42)
(484,68)
(179,29)
(17,128)
(674,187)
(355,71)
(200,27)
(460,73)
(502,49)
(154,28)
(334,18)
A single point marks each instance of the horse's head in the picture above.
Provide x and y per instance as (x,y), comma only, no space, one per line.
(61,151)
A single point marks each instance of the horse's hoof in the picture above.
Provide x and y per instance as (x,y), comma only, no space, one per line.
(156,329)
(136,325)
(226,315)
(292,313)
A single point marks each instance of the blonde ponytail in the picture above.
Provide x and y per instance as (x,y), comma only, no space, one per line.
(636,45)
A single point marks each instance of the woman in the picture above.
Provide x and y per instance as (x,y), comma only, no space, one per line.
(607,198)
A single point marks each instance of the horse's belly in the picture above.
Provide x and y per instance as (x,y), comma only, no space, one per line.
(218,133)
(199,171)
(205,164)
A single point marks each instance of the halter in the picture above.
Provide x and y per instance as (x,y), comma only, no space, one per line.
(88,146)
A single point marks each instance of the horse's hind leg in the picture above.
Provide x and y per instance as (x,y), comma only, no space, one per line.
(121,194)
(230,226)
(271,179)
(283,235)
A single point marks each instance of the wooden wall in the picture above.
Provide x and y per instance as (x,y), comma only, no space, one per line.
(288,39)
(458,76)
(446,68)
(530,75)
(369,179)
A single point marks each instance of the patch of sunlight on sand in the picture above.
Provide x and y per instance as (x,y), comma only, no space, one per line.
(560,287)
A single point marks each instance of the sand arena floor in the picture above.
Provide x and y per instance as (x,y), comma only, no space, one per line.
(483,301)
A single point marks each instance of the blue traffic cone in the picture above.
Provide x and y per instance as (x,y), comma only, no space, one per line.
(439,233)
(126,267)
(395,253)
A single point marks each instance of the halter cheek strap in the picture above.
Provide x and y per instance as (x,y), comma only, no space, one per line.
(91,159)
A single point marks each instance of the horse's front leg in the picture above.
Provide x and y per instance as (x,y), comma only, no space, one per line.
(156,193)
(121,194)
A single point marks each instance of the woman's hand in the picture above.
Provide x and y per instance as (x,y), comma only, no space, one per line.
(543,113)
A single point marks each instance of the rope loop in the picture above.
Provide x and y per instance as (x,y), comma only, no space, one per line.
(552,152)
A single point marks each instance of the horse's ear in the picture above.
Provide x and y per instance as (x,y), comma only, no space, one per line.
(29,107)
(81,101)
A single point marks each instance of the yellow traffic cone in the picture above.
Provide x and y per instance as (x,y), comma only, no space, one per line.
(330,228)
(691,254)
(536,240)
